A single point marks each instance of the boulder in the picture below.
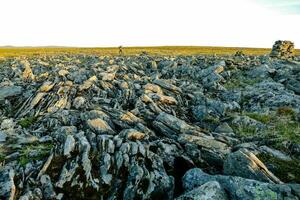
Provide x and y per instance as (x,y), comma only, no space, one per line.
(245,164)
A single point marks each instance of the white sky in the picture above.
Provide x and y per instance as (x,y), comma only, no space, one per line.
(145,23)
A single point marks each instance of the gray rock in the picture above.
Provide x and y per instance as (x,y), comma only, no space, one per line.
(275,153)
(100,126)
(240,188)
(3,136)
(69,145)
(10,91)
(263,72)
(172,122)
(7,185)
(78,102)
(7,124)
(208,191)
(47,187)
(224,128)
(245,164)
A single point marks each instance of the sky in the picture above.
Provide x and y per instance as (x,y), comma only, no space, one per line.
(105,23)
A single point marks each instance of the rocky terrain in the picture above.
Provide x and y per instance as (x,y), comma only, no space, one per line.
(150,127)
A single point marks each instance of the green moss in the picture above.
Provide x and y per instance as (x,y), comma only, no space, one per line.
(232,84)
(281,127)
(2,157)
(287,171)
(42,152)
(259,117)
(245,131)
(23,161)
(27,122)
(241,82)
(287,130)
(210,119)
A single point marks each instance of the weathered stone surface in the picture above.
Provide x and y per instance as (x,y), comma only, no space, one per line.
(11,91)
(99,126)
(7,185)
(208,191)
(245,164)
(239,188)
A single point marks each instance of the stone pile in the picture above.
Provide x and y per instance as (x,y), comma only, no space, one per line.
(282,49)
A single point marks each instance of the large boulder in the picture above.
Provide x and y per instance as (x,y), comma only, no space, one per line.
(208,191)
(245,164)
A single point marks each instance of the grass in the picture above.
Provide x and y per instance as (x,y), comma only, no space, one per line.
(43,151)
(281,126)
(27,122)
(241,82)
(245,131)
(160,50)
(264,118)
(287,171)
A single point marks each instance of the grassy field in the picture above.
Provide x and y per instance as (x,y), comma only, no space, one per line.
(163,50)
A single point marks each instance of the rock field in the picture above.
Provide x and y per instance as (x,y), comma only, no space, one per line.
(151,127)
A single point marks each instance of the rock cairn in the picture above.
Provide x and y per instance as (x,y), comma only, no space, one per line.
(282,49)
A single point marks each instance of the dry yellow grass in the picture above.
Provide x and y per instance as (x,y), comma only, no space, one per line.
(163,50)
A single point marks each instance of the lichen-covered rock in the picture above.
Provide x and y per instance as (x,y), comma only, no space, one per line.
(239,188)
(245,164)
(208,191)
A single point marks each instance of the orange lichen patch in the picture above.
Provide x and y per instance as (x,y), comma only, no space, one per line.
(88,83)
(60,104)
(47,86)
(129,117)
(152,88)
(219,70)
(99,126)
(62,72)
(37,99)
(135,135)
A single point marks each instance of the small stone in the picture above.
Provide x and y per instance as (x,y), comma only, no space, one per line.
(27,73)
(63,72)
(107,76)
(3,136)
(27,139)
(69,145)
(7,124)
(133,134)
(78,102)
(47,86)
